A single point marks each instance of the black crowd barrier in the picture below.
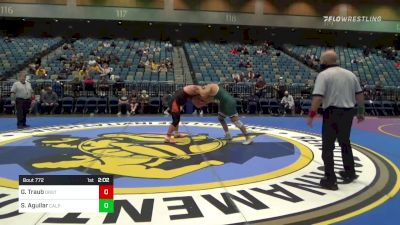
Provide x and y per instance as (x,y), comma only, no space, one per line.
(154,89)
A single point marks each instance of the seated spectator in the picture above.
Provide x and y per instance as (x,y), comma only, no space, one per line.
(113,45)
(83,73)
(77,86)
(287,103)
(106,44)
(154,66)
(169,64)
(250,75)
(89,84)
(41,72)
(260,86)
(103,86)
(118,85)
(49,101)
(148,63)
(243,77)
(249,64)
(106,70)
(123,101)
(378,91)
(166,99)
(157,50)
(252,103)
(133,102)
(236,78)
(144,99)
(366,51)
(94,68)
(141,64)
(280,88)
(233,51)
(258,52)
(397,65)
(168,46)
(242,64)
(34,108)
(355,61)
(245,51)
(163,68)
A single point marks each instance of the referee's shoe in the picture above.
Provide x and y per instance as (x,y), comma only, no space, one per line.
(328,184)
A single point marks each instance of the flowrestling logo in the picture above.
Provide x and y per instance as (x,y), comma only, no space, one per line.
(203,179)
(352,19)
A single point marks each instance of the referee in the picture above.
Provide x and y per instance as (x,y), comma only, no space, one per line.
(21,95)
(338,90)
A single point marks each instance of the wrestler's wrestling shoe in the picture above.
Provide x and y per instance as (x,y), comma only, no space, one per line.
(169,139)
(228,136)
(248,140)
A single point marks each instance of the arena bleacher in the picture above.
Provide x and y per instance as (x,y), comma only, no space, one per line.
(200,62)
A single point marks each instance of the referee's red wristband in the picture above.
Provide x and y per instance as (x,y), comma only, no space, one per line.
(312,114)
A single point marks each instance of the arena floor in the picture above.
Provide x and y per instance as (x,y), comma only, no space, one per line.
(204,179)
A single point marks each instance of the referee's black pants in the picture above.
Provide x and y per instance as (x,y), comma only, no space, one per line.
(337,125)
(22,106)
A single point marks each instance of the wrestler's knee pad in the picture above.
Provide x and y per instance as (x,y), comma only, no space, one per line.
(238,123)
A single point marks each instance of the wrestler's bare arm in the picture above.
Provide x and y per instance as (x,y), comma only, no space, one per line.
(192,90)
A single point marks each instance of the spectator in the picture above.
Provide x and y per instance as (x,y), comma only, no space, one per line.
(280,88)
(133,102)
(397,65)
(49,101)
(106,70)
(36,103)
(287,103)
(245,51)
(103,86)
(242,64)
(89,84)
(118,85)
(236,78)
(366,51)
(249,64)
(123,101)
(144,99)
(233,51)
(65,71)
(76,84)
(83,73)
(154,66)
(378,91)
(168,46)
(166,99)
(252,103)
(41,72)
(169,63)
(260,86)
(243,78)
(163,68)
(141,64)
(250,75)
(306,91)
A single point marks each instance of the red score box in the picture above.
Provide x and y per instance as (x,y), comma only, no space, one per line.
(106,191)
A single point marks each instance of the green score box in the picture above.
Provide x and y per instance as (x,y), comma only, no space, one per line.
(106,205)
